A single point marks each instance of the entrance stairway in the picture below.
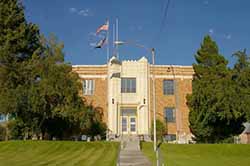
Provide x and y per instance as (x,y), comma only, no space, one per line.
(130,154)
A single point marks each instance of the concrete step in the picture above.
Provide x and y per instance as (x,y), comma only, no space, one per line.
(130,154)
(134,164)
(133,161)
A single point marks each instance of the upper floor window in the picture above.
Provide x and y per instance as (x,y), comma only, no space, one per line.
(169,114)
(88,87)
(168,87)
(128,85)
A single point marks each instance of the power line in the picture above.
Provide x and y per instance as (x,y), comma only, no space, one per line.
(163,20)
(165,14)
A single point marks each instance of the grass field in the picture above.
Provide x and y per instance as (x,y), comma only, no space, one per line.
(201,154)
(61,153)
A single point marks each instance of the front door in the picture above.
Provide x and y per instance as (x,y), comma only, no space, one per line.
(128,121)
(132,124)
(124,125)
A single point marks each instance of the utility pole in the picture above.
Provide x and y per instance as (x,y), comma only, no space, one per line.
(154,101)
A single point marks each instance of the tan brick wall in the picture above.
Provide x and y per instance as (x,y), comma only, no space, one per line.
(162,101)
(90,70)
(172,70)
(99,97)
(183,87)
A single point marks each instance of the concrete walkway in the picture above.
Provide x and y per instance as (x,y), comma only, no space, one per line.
(130,154)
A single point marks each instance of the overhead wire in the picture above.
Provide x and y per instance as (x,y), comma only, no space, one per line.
(165,14)
(163,21)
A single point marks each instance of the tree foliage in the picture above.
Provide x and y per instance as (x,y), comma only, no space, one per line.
(37,88)
(215,111)
(92,122)
(241,77)
(161,130)
(18,41)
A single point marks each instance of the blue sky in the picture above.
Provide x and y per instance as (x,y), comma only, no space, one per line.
(73,22)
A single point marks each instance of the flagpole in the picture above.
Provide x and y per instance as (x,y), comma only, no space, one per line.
(108,42)
(117,38)
(113,43)
(107,136)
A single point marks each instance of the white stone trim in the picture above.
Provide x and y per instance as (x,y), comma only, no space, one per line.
(172,76)
(180,66)
(92,76)
(105,65)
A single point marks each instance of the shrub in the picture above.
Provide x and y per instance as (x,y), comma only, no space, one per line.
(160,130)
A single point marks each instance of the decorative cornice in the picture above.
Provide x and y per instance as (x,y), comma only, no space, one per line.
(172,76)
(92,76)
(180,66)
(105,65)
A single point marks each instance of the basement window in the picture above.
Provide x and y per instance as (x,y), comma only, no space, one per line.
(170,137)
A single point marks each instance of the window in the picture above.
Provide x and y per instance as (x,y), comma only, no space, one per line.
(128,85)
(2,118)
(169,114)
(168,87)
(88,87)
(170,137)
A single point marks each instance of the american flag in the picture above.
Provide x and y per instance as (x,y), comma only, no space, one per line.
(103,27)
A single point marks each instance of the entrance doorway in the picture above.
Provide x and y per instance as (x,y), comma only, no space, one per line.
(128,121)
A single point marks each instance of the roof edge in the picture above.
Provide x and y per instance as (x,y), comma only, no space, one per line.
(105,65)
(190,66)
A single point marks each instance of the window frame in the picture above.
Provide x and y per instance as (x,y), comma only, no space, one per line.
(173,117)
(166,90)
(88,88)
(129,88)
(170,137)
(3,118)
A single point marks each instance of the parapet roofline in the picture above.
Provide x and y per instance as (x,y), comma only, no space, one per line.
(105,65)
(171,66)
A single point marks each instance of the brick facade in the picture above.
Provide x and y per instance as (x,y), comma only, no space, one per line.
(182,76)
(99,75)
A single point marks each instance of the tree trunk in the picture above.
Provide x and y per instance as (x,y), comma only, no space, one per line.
(6,132)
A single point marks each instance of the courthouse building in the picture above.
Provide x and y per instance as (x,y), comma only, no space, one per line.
(123,89)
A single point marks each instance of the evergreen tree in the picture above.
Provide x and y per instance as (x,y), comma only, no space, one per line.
(18,41)
(241,77)
(213,116)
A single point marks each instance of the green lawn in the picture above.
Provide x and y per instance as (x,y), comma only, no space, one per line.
(201,154)
(61,153)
